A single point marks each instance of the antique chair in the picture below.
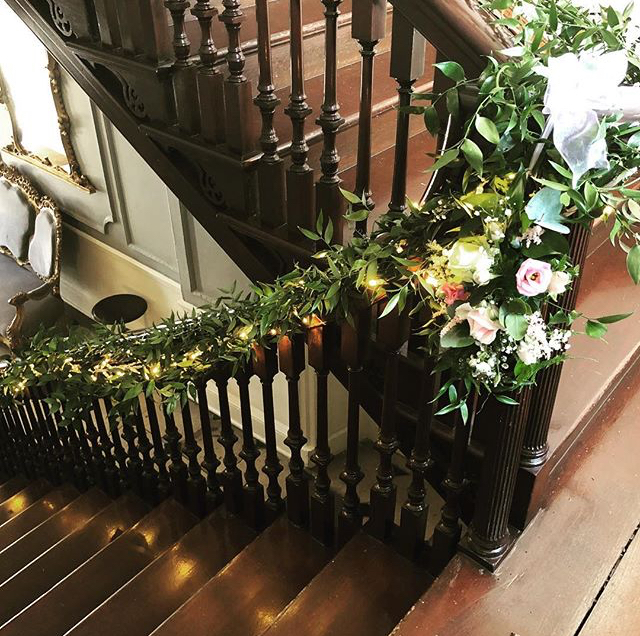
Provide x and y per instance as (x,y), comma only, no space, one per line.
(30,237)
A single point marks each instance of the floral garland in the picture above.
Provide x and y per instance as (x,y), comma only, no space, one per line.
(487,257)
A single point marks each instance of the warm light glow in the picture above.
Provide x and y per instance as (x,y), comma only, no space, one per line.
(375,282)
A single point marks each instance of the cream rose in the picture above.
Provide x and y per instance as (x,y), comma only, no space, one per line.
(470,260)
(559,283)
(483,323)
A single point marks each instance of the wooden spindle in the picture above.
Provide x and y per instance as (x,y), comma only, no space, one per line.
(265,365)
(210,463)
(184,73)
(253,508)
(393,332)
(240,131)
(196,485)
(34,443)
(45,443)
(20,434)
(155,40)
(489,538)
(111,468)
(407,65)
(133,461)
(118,449)
(8,446)
(271,184)
(354,340)
(535,446)
(300,189)
(322,499)
(231,476)
(328,197)
(177,468)
(368,27)
(149,475)
(56,444)
(413,517)
(96,456)
(210,80)
(160,455)
(291,358)
(447,533)
(70,472)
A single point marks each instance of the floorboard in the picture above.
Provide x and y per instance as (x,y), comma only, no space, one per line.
(549,583)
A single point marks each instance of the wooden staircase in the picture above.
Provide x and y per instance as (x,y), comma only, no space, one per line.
(73,563)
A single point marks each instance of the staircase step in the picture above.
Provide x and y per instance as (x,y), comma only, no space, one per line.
(144,603)
(245,598)
(68,520)
(11,487)
(75,596)
(43,573)
(364,591)
(33,516)
(26,497)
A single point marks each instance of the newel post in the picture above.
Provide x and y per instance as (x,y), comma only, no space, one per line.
(489,538)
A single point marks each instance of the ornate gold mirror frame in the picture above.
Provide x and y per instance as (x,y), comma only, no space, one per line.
(74,174)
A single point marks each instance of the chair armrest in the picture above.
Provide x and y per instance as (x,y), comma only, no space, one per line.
(35,294)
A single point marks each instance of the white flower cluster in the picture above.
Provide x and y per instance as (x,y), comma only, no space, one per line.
(532,236)
(485,366)
(540,343)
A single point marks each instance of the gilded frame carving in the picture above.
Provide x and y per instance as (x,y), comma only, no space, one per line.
(75,175)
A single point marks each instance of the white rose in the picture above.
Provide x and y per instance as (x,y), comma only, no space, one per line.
(468,255)
(526,354)
(559,283)
(483,323)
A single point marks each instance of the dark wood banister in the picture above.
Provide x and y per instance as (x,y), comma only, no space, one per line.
(456,28)
(197,204)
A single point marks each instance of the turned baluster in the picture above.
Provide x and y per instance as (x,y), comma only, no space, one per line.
(253,508)
(155,39)
(328,196)
(111,468)
(393,332)
(197,487)
(20,434)
(300,189)
(535,447)
(354,340)
(134,463)
(57,451)
(45,443)
(489,537)
(368,27)
(160,456)
(118,449)
(149,475)
(231,477)
(291,357)
(8,446)
(413,517)
(72,470)
(407,65)
(265,365)
(240,131)
(211,463)
(97,462)
(319,343)
(271,185)
(177,468)
(184,73)
(447,533)
(210,80)
(34,440)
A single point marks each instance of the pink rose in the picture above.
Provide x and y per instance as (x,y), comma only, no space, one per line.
(453,292)
(483,324)
(533,277)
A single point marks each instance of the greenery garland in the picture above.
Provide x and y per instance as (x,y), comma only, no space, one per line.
(486,258)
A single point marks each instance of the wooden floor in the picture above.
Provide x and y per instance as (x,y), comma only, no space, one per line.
(576,569)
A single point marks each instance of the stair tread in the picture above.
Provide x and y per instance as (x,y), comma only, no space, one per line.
(162,587)
(11,487)
(50,567)
(35,514)
(365,590)
(108,570)
(245,597)
(26,497)
(66,521)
